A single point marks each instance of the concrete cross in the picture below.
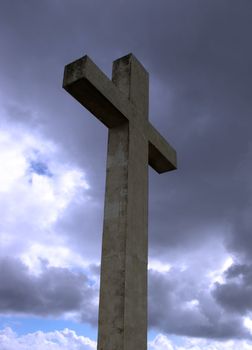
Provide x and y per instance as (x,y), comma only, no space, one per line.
(133,143)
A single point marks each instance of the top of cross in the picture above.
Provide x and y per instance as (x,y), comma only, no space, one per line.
(114,103)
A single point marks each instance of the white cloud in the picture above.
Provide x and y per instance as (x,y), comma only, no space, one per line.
(68,339)
(57,340)
(37,186)
(65,257)
(154,264)
(162,342)
(13,162)
(217,274)
(247,321)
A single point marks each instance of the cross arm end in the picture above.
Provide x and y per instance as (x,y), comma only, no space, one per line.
(162,156)
(95,91)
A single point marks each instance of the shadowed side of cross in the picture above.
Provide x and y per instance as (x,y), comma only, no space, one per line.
(133,143)
(95,91)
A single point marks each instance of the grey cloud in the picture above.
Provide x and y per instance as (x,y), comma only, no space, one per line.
(243,271)
(170,310)
(235,295)
(57,290)
(240,239)
(53,292)
(85,225)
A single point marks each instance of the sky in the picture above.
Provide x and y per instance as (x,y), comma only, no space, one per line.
(53,159)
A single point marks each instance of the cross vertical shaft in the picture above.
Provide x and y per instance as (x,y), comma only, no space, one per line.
(123,290)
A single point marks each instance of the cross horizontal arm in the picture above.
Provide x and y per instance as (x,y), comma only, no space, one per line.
(162,157)
(95,91)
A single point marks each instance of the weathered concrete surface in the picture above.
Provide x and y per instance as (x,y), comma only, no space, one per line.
(133,142)
(123,293)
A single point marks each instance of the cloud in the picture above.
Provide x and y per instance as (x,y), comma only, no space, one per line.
(180,304)
(55,291)
(239,240)
(58,340)
(68,339)
(162,342)
(38,186)
(235,294)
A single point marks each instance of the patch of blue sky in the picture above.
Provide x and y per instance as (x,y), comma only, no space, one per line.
(151,334)
(40,168)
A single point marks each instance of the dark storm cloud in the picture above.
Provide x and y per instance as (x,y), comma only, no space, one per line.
(208,71)
(171,308)
(240,241)
(53,292)
(199,57)
(235,295)
(198,52)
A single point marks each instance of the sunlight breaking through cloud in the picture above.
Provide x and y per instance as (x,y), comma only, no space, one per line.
(37,186)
